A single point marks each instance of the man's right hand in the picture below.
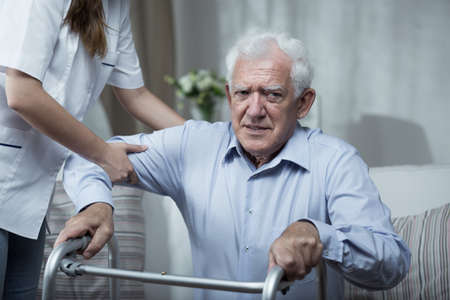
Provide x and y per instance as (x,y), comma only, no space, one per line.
(97,220)
(297,250)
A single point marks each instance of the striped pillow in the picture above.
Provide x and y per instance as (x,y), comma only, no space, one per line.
(129,230)
(427,236)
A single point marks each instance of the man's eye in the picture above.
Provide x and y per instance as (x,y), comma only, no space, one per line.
(241,93)
(274,96)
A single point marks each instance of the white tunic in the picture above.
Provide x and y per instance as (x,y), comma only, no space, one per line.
(34,41)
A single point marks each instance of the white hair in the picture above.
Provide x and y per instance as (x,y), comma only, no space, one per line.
(257,44)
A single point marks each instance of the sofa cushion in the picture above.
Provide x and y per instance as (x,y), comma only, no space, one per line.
(427,236)
(129,231)
(404,188)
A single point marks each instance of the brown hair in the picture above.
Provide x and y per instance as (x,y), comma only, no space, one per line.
(87,18)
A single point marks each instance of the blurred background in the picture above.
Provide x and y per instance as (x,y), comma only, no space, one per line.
(382,68)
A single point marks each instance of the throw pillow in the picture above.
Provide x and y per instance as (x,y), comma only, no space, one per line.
(427,236)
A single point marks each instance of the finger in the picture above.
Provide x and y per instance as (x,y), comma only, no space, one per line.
(70,233)
(114,176)
(272,262)
(292,264)
(307,255)
(300,270)
(287,262)
(99,239)
(131,148)
(62,237)
(317,254)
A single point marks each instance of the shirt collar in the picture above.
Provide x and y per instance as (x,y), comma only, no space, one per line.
(234,147)
(296,149)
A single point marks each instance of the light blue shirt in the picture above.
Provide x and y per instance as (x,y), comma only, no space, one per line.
(234,211)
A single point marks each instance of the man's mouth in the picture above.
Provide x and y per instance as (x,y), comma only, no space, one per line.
(255,128)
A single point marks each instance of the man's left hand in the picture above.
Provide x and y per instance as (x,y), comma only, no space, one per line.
(297,250)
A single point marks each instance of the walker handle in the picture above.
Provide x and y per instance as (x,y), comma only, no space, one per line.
(61,257)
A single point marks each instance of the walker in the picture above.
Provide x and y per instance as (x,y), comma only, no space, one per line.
(63,257)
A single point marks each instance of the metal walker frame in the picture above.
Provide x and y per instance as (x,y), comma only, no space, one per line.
(63,257)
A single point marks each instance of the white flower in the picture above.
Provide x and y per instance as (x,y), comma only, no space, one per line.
(203,73)
(205,83)
(186,84)
(179,94)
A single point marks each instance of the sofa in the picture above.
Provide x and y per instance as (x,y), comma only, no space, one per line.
(419,199)
(418,196)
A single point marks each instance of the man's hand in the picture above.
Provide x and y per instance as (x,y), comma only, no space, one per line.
(97,220)
(297,250)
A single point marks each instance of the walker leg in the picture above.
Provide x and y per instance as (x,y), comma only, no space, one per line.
(56,257)
(53,263)
(113,262)
(321,270)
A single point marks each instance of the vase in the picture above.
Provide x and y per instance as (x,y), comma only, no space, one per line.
(207,113)
(201,114)
(204,110)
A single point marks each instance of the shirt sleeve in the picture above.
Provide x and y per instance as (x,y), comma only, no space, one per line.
(127,72)
(29,31)
(85,182)
(360,240)
(158,169)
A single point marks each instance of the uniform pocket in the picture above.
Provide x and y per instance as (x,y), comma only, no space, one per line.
(12,143)
(110,59)
(12,137)
(107,66)
(112,54)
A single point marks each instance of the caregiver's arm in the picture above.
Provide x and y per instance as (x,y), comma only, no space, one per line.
(147,108)
(26,96)
(89,187)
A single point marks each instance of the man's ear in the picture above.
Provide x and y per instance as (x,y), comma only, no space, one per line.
(227,91)
(304,102)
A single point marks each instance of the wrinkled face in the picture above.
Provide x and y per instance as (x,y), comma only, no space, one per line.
(263,109)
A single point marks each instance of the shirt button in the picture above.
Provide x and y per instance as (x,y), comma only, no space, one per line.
(250,211)
(246,249)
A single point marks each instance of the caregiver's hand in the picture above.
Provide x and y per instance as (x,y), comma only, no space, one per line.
(116,164)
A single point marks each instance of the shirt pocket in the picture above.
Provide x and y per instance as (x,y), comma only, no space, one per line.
(12,149)
(106,66)
(109,62)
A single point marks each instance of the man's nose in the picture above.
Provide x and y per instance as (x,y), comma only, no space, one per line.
(256,105)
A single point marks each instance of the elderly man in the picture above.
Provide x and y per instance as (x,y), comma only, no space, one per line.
(261,190)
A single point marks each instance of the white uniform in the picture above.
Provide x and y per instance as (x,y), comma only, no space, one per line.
(34,41)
